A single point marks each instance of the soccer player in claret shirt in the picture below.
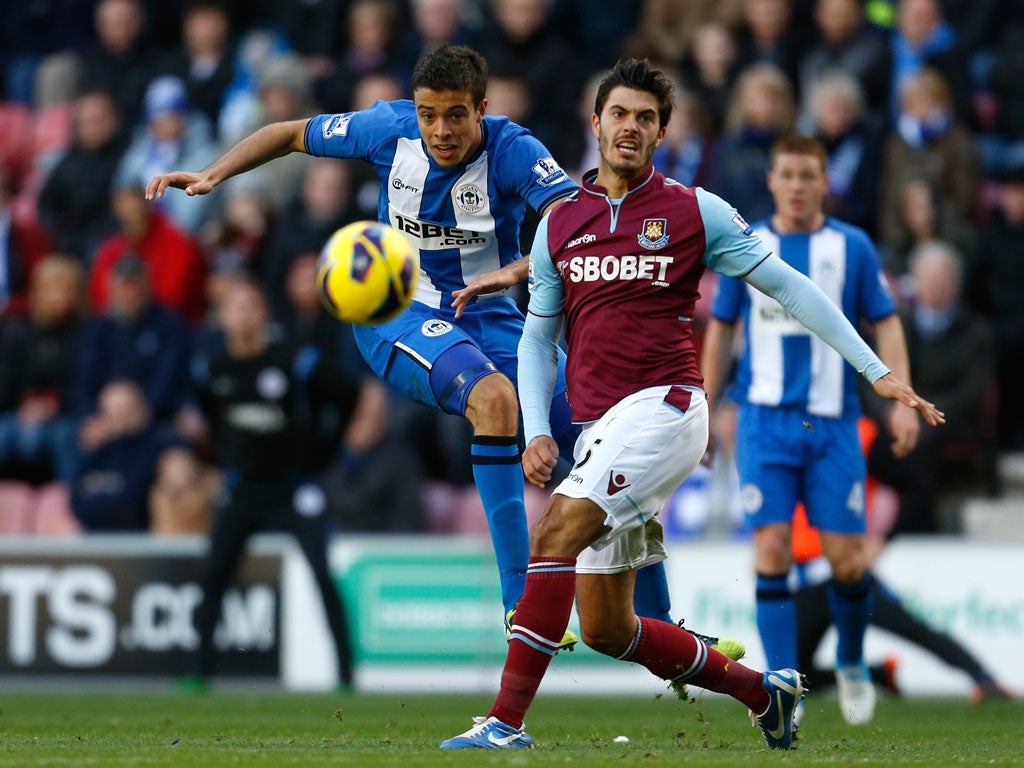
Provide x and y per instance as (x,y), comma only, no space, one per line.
(619,265)
(457,182)
(797,437)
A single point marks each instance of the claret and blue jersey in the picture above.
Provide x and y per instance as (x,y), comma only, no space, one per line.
(784,363)
(465,220)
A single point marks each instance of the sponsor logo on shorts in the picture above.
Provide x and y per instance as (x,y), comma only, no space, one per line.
(752,498)
(616,482)
(469,198)
(434,327)
(337,126)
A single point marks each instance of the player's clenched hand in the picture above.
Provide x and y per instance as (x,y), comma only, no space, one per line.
(539,459)
(192,183)
(904,427)
(489,282)
(892,388)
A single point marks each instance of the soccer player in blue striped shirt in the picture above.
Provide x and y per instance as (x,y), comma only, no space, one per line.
(797,431)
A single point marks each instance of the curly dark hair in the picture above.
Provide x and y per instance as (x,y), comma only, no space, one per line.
(452,68)
(639,75)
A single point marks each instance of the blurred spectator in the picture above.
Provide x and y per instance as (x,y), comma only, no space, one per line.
(434,23)
(205,61)
(996,284)
(121,447)
(518,37)
(32,31)
(712,69)
(373,88)
(667,29)
(304,319)
(848,43)
(762,109)
(74,204)
(284,93)
(1003,145)
(312,28)
(136,340)
(120,62)
(767,37)
(22,245)
(923,38)
(597,29)
(952,363)
(932,143)
(38,427)
(171,258)
(686,150)
(241,106)
(373,34)
(182,495)
(239,239)
(327,203)
(923,216)
(853,141)
(51,128)
(174,137)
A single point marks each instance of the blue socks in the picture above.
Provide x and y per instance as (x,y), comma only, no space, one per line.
(650,593)
(499,480)
(851,610)
(776,621)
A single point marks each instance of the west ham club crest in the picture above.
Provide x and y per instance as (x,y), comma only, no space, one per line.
(653,235)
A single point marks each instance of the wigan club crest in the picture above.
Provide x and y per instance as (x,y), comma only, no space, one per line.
(653,235)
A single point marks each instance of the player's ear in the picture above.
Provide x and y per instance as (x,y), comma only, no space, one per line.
(661,136)
(481,110)
(595,124)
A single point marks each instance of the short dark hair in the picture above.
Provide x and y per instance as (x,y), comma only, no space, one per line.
(452,68)
(639,75)
(795,144)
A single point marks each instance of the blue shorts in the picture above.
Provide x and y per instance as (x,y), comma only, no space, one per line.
(403,351)
(785,455)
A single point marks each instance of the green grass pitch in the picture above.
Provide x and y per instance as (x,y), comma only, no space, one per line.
(266,728)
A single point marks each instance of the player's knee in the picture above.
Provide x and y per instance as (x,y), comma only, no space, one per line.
(848,568)
(611,639)
(492,407)
(774,549)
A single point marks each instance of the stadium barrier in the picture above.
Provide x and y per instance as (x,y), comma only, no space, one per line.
(425,613)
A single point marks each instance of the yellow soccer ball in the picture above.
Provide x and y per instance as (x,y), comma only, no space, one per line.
(367,273)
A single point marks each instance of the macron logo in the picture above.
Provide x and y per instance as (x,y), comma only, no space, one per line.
(583,239)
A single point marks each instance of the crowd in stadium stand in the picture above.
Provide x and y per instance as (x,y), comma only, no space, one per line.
(106,297)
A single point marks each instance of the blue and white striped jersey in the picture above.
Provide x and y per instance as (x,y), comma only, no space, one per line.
(465,220)
(784,363)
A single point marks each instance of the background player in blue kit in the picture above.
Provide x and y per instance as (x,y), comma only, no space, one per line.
(797,434)
(457,182)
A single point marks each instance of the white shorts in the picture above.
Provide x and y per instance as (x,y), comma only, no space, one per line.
(629,462)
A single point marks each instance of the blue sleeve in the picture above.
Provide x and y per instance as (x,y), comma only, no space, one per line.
(731,246)
(529,169)
(812,307)
(538,347)
(875,298)
(547,294)
(351,134)
(727,303)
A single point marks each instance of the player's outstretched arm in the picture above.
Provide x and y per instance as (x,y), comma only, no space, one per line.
(891,388)
(270,141)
